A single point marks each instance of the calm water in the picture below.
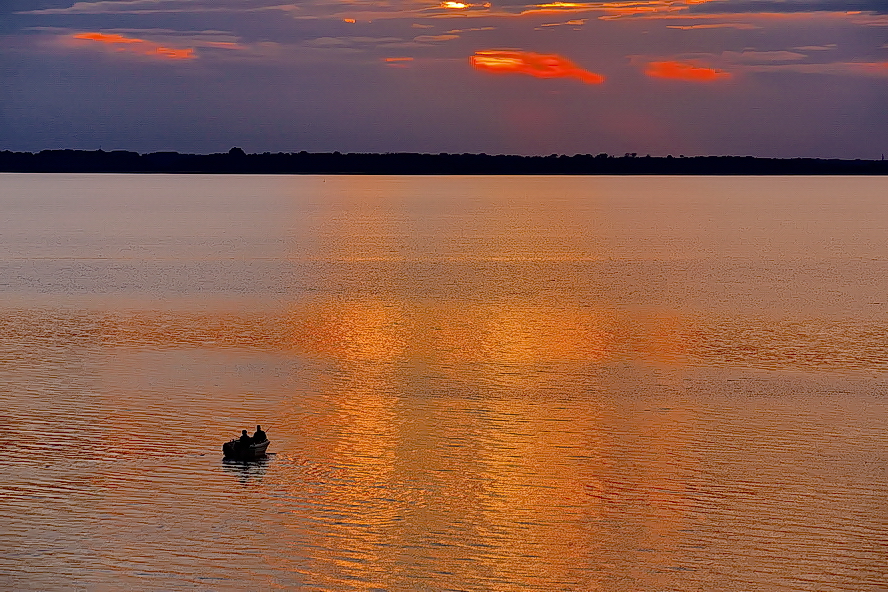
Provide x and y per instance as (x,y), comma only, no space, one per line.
(616,384)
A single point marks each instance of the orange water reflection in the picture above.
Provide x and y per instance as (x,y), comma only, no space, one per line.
(481,440)
(490,339)
(456,398)
(413,464)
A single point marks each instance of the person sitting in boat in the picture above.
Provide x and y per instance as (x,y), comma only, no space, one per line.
(259,436)
(245,439)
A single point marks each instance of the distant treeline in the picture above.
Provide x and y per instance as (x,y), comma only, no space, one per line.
(236,161)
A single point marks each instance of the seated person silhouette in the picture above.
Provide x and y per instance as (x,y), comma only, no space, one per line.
(244,440)
(259,436)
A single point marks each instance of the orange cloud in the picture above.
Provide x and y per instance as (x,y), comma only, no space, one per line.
(533,64)
(618,8)
(684,71)
(398,62)
(106,38)
(137,46)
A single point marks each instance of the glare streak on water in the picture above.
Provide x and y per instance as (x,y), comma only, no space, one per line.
(469,383)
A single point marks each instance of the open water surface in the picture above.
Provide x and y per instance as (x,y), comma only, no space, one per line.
(470,383)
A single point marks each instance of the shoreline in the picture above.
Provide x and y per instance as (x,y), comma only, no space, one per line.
(236,161)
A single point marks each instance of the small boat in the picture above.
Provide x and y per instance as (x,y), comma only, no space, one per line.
(233,449)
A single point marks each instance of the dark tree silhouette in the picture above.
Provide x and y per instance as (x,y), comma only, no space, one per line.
(238,161)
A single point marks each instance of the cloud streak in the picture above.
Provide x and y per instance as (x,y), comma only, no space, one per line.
(738,26)
(531,64)
(132,7)
(685,72)
(134,45)
(865,69)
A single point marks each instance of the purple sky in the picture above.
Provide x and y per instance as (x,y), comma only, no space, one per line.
(760,77)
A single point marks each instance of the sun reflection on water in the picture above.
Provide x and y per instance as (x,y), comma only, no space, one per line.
(473,384)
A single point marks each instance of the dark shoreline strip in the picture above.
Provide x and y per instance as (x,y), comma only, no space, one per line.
(236,161)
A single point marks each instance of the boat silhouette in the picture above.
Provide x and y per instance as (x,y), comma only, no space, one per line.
(236,450)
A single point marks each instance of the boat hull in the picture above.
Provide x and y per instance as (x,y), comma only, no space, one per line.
(233,449)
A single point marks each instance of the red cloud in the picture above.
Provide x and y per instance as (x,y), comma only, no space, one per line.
(532,64)
(137,46)
(684,71)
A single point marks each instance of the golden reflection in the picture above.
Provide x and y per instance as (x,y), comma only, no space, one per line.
(430,433)
(510,343)
(508,462)
(519,441)
(507,343)
(461,394)
(362,443)
(419,221)
(523,336)
(356,330)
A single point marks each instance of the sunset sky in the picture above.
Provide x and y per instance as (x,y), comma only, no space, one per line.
(759,77)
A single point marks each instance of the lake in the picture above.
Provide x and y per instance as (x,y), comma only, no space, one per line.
(469,383)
